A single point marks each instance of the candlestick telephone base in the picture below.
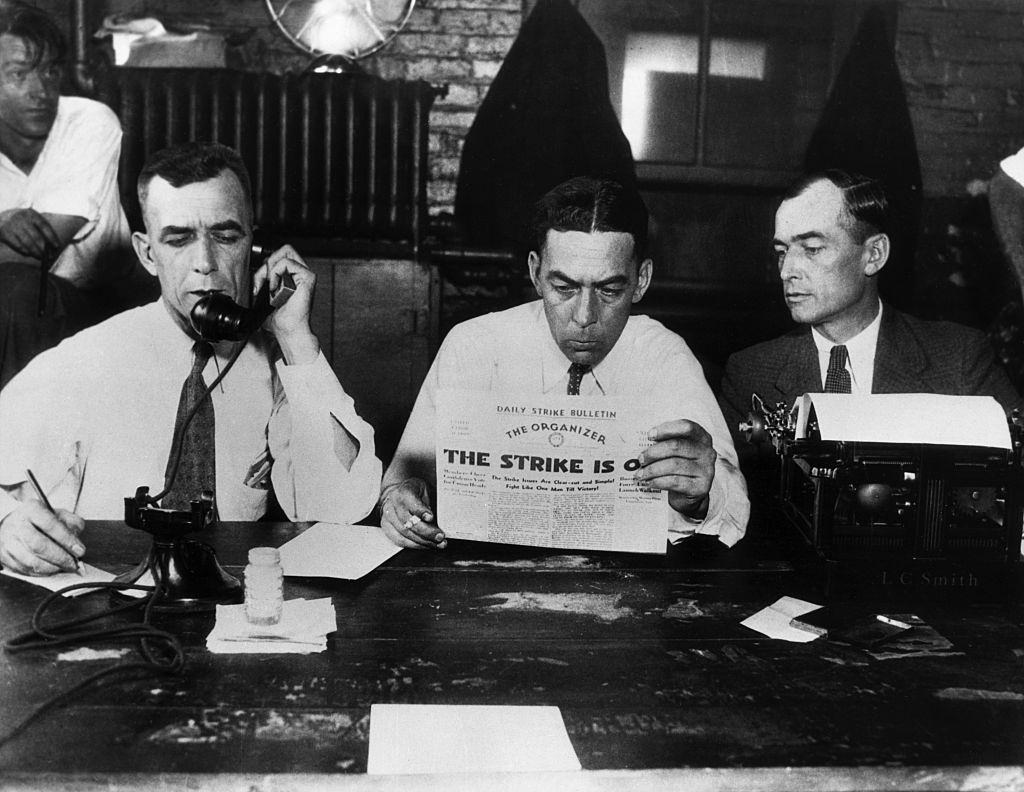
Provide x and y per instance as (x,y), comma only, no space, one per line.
(185,571)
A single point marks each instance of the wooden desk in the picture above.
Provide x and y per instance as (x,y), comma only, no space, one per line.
(658,683)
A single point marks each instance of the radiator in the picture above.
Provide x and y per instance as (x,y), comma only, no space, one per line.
(339,159)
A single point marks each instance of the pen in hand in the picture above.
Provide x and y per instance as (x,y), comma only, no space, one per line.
(46,502)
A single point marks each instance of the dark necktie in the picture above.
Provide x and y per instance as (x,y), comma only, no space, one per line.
(837,378)
(197,467)
(576,374)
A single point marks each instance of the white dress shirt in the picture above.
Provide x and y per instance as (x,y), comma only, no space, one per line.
(513,350)
(76,174)
(860,360)
(94,417)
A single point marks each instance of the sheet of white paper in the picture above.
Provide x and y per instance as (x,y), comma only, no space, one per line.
(467,739)
(336,551)
(774,620)
(548,471)
(89,574)
(930,418)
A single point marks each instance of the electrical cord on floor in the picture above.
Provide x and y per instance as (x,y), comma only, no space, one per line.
(162,652)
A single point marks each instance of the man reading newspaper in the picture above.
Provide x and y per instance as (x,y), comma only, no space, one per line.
(589,267)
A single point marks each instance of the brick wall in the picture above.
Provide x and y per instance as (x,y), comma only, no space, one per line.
(459,43)
(455,43)
(962,63)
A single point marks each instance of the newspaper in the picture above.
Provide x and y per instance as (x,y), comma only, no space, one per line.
(550,471)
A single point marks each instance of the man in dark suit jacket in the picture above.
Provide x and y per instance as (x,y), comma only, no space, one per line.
(831,239)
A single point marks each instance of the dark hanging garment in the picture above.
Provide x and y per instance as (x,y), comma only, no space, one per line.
(546,118)
(866,127)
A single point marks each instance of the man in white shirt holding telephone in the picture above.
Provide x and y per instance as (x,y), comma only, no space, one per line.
(94,417)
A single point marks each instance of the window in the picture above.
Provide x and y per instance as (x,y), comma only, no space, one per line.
(659,87)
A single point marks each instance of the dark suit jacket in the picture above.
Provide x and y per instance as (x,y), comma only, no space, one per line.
(912,356)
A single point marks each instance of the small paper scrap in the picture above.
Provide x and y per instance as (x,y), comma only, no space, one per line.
(774,621)
(303,629)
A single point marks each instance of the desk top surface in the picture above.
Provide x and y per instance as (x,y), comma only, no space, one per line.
(644,655)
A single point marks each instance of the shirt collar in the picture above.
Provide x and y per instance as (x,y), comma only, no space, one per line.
(860,348)
(554,364)
(169,339)
(162,327)
(7,165)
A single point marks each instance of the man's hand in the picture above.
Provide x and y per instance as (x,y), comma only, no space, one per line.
(406,517)
(28,233)
(290,322)
(682,461)
(34,541)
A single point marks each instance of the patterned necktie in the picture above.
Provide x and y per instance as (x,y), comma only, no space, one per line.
(837,378)
(197,467)
(576,374)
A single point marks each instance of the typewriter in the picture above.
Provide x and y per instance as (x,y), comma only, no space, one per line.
(901,494)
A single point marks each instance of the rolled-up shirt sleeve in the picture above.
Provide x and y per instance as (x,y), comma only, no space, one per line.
(462,362)
(683,383)
(728,508)
(313,431)
(42,428)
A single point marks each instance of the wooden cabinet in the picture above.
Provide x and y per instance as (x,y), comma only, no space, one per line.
(377,324)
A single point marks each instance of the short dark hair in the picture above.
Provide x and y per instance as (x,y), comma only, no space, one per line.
(589,204)
(190,163)
(864,200)
(35,28)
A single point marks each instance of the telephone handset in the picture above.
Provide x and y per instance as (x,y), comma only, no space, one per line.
(216,317)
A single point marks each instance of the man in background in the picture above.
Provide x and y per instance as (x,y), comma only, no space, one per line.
(588,264)
(59,204)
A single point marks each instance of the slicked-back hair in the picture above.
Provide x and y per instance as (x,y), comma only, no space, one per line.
(191,163)
(590,204)
(866,206)
(33,26)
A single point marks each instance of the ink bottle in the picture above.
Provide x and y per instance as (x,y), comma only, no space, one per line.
(264,586)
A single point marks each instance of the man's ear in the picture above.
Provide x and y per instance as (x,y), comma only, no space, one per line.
(140,242)
(533,262)
(877,248)
(643,279)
